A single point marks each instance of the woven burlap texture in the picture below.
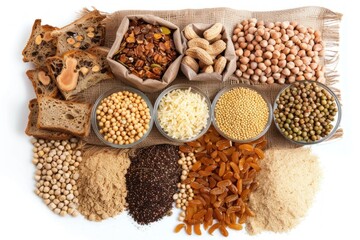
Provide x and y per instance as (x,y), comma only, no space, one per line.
(318,18)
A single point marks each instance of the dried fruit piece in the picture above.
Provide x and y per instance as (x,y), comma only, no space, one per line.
(246,147)
(188,229)
(185,149)
(223,144)
(217,191)
(235,226)
(165,30)
(199,215)
(196,185)
(222,169)
(197,230)
(213,228)
(224,183)
(223,231)
(259,152)
(179,227)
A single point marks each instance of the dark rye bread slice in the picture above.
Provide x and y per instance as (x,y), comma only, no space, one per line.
(40,45)
(64,116)
(76,71)
(33,130)
(42,83)
(81,34)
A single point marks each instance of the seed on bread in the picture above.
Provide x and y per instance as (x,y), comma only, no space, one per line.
(70,41)
(84,70)
(90,34)
(95,68)
(38,40)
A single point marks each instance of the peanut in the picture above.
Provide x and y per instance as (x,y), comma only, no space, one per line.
(220,64)
(199,42)
(190,62)
(200,54)
(189,32)
(217,47)
(213,32)
(208,69)
(215,39)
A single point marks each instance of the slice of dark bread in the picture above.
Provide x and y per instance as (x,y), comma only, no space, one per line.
(84,33)
(42,83)
(33,130)
(40,45)
(64,116)
(101,54)
(76,71)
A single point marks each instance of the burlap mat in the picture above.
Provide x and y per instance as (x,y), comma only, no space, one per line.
(316,17)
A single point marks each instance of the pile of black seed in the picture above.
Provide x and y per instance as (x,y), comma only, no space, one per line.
(151,182)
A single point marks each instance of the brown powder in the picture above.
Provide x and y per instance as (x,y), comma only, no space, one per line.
(102,183)
(288,182)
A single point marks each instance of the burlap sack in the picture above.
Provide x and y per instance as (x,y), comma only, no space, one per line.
(121,72)
(229,54)
(321,19)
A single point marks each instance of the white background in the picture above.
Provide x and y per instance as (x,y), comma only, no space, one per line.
(334,215)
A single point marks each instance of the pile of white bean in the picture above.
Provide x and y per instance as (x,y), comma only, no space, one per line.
(278,52)
(56,174)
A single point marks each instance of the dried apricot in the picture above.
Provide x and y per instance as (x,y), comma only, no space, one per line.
(185,149)
(197,230)
(231,198)
(196,185)
(217,191)
(195,144)
(235,226)
(204,173)
(229,151)
(222,169)
(224,183)
(196,166)
(246,147)
(214,154)
(235,157)
(223,231)
(235,167)
(188,229)
(213,228)
(179,227)
(223,144)
(259,152)
(199,215)
(223,157)
(218,214)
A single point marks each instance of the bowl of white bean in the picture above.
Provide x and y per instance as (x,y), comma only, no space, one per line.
(122,117)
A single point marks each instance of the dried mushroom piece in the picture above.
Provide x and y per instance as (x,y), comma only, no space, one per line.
(146,50)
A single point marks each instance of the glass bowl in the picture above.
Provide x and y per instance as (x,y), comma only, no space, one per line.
(183,87)
(227,89)
(336,120)
(95,126)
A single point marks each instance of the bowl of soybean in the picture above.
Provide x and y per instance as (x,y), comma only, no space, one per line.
(307,112)
(241,113)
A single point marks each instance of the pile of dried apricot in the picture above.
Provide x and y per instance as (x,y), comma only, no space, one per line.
(222,179)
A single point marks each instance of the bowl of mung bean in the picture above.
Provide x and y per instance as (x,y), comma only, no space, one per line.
(240,113)
(307,112)
(122,117)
